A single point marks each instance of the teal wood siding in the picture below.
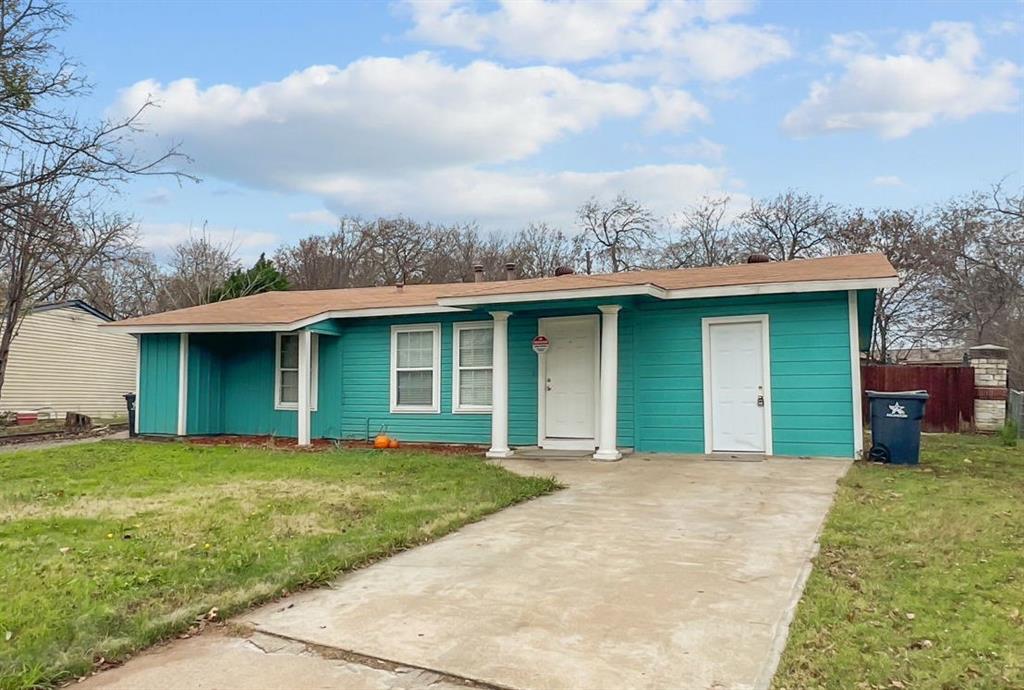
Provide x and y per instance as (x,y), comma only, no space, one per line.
(158,383)
(810,372)
(366,387)
(660,405)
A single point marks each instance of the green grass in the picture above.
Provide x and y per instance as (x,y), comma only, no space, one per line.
(107,548)
(920,579)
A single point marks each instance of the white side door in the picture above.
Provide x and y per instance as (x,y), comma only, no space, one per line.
(738,385)
(569,386)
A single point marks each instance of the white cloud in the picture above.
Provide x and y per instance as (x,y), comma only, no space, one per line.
(160,238)
(501,199)
(415,136)
(702,148)
(158,197)
(669,40)
(887,181)
(675,110)
(374,115)
(317,217)
(939,75)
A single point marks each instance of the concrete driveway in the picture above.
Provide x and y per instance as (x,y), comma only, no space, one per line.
(654,572)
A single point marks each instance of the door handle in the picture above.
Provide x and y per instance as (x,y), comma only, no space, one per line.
(760,396)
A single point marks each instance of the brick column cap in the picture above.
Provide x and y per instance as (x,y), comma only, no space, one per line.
(989,352)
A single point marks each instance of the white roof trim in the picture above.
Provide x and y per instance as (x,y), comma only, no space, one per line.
(779,288)
(275,327)
(572,293)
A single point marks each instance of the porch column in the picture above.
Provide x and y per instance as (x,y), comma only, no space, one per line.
(606,441)
(305,350)
(499,387)
(182,427)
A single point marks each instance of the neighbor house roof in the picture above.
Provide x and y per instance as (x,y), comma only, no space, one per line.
(73,304)
(295,309)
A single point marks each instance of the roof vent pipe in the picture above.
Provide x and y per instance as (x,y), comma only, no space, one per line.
(564,271)
(510,271)
(399,285)
(758,259)
(478,273)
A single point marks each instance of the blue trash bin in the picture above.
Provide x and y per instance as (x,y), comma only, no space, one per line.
(896,425)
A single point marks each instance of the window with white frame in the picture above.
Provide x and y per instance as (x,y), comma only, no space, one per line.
(416,368)
(286,371)
(472,366)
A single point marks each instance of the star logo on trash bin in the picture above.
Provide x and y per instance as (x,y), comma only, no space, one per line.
(896,410)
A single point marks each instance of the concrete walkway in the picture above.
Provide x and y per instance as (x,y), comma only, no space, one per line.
(655,572)
(40,445)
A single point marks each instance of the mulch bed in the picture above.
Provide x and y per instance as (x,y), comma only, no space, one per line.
(322,444)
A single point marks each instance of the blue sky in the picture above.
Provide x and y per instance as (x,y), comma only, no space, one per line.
(505,114)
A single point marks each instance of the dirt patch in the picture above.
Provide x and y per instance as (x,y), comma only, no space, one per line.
(322,444)
(274,442)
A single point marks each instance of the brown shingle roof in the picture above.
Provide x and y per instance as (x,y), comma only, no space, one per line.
(282,308)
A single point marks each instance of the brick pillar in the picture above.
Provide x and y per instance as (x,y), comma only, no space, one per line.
(990,367)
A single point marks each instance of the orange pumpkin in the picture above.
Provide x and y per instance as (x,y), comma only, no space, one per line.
(381,441)
(393,443)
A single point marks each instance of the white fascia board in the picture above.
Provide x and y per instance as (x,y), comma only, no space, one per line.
(277,327)
(781,288)
(547,295)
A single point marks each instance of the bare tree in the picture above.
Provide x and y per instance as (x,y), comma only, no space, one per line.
(338,260)
(197,268)
(980,255)
(53,166)
(46,242)
(905,316)
(538,249)
(621,234)
(129,286)
(704,237)
(790,226)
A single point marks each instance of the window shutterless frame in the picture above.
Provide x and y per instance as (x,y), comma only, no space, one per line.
(435,404)
(314,358)
(457,367)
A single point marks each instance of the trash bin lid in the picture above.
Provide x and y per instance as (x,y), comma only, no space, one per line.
(913,395)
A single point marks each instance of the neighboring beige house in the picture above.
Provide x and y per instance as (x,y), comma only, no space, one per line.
(62,361)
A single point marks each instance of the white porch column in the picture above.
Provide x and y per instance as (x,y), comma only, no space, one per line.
(182,384)
(499,388)
(305,351)
(606,448)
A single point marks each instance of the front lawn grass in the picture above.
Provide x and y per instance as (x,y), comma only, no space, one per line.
(920,579)
(106,548)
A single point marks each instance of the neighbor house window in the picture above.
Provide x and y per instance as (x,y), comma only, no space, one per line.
(416,368)
(472,368)
(286,374)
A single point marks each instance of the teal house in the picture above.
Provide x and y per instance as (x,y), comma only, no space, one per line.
(756,358)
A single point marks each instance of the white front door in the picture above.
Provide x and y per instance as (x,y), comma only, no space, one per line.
(737,386)
(569,381)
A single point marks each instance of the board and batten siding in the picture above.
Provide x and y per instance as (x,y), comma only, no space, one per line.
(62,361)
(811,382)
(159,364)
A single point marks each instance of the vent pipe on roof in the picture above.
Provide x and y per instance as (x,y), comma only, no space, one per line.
(478,273)
(510,271)
(758,259)
(399,285)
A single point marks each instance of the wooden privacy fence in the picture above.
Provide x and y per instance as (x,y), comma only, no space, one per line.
(950,405)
